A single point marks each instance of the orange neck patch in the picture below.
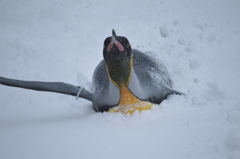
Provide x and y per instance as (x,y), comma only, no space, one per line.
(129,102)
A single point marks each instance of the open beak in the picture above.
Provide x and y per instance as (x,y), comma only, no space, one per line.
(114,41)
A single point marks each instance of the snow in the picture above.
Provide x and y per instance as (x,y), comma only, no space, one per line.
(57,40)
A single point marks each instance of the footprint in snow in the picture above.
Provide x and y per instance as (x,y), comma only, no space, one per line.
(195,64)
(164,31)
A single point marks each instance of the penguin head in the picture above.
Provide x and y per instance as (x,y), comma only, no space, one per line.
(117,53)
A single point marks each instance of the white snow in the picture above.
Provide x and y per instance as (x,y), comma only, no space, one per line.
(58,40)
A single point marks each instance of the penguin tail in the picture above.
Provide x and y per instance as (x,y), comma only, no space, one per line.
(57,87)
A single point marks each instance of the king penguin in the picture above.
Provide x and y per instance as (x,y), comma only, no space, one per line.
(127,79)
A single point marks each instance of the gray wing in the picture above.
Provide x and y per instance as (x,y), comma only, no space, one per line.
(105,94)
(154,84)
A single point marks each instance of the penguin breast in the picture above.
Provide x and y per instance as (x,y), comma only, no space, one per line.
(129,102)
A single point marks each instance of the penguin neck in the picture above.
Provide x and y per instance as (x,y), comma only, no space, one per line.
(120,73)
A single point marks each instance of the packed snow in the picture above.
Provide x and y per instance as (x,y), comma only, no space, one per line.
(58,40)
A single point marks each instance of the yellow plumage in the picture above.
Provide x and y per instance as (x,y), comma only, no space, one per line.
(129,103)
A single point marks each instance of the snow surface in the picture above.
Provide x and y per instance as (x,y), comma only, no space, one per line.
(59,40)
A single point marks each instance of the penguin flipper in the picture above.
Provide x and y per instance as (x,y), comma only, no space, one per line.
(153,78)
(106,94)
(57,87)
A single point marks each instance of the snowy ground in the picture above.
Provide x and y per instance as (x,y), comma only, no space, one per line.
(58,40)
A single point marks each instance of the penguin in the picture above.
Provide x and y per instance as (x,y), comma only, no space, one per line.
(125,80)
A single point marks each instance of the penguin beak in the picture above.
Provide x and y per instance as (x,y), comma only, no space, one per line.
(114,36)
(114,41)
